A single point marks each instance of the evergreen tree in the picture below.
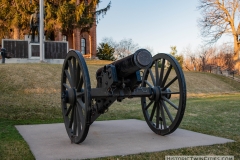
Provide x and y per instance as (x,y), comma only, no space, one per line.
(179,58)
(105,52)
(62,15)
(66,15)
(14,15)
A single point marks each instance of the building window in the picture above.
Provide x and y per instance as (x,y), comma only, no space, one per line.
(83,46)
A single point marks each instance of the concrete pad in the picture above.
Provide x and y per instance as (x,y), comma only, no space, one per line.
(108,138)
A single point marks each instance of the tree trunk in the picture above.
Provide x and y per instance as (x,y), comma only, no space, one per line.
(16,33)
(236,53)
(236,47)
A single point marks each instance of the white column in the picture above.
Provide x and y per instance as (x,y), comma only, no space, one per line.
(41,34)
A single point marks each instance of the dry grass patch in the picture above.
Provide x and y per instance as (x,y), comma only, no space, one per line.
(30,76)
(30,94)
(199,83)
(41,90)
(98,62)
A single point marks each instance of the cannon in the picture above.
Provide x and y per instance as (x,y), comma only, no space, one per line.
(158,81)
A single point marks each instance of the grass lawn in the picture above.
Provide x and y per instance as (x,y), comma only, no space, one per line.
(30,94)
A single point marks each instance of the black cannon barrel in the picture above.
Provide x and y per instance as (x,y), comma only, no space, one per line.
(141,59)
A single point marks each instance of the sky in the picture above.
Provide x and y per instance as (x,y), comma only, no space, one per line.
(155,24)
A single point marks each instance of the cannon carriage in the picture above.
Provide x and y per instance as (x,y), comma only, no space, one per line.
(158,81)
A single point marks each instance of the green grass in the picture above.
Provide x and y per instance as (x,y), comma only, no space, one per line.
(30,94)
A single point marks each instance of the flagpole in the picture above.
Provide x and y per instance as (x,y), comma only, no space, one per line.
(41,34)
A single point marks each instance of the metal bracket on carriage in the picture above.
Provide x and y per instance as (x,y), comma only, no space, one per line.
(108,76)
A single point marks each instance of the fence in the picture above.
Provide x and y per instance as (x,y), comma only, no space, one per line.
(24,49)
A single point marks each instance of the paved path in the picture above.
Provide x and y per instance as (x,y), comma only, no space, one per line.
(108,138)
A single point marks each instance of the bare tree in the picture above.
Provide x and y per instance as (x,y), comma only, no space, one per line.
(229,61)
(195,61)
(123,48)
(126,47)
(205,56)
(224,57)
(150,49)
(110,41)
(220,17)
(188,63)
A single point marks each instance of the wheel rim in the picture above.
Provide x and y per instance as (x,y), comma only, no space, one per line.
(75,90)
(164,110)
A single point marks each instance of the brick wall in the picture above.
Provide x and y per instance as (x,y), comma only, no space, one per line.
(93,34)
(58,35)
(70,42)
(77,39)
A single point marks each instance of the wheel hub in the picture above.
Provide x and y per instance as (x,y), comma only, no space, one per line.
(69,96)
(158,93)
(156,96)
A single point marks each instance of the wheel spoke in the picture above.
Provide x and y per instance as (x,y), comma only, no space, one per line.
(72,73)
(162,72)
(68,111)
(75,121)
(79,94)
(170,92)
(157,116)
(80,84)
(156,72)
(161,124)
(79,122)
(80,107)
(148,105)
(69,77)
(169,102)
(78,77)
(148,83)
(153,111)
(65,85)
(163,116)
(169,84)
(166,109)
(166,75)
(71,119)
(74,69)
(152,77)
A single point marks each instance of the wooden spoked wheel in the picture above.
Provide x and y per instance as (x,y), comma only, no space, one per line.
(76,98)
(164,110)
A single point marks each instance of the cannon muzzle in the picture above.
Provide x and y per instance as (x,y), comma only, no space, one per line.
(141,59)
